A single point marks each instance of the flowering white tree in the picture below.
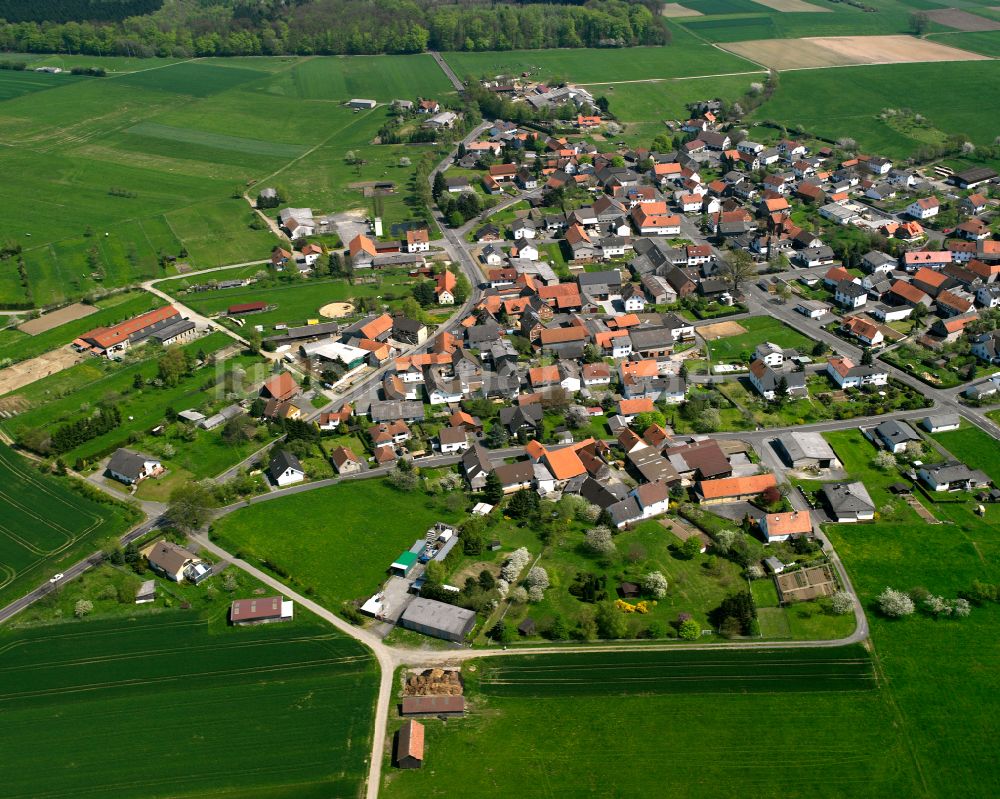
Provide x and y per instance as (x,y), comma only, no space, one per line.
(82,608)
(655,584)
(894,604)
(537,577)
(519,594)
(755,571)
(599,540)
(960,607)
(841,603)
(515,564)
(885,461)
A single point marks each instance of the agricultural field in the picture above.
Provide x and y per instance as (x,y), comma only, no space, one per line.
(685,57)
(14,84)
(341,539)
(838,51)
(986,42)
(847,102)
(45,524)
(273,711)
(125,169)
(758,330)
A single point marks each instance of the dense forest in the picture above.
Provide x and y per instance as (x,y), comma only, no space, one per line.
(183,28)
(75,10)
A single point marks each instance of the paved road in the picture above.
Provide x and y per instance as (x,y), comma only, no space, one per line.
(448,71)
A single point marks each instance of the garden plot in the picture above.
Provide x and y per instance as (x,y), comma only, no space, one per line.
(837,51)
(962,20)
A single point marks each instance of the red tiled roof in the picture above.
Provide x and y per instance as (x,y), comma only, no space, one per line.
(736,486)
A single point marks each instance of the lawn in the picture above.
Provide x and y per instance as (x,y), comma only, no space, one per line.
(272,711)
(45,524)
(298,301)
(759,329)
(974,448)
(337,541)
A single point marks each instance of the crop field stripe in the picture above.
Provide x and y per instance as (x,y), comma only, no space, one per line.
(155,130)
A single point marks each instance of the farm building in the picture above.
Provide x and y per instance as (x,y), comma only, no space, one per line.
(410,745)
(432,706)
(437,619)
(403,565)
(160,323)
(733,489)
(361,104)
(940,423)
(260,611)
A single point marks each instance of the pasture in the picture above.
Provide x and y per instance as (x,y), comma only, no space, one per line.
(835,51)
(758,330)
(45,524)
(123,170)
(338,541)
(973,447)
(274,711)
(846,102)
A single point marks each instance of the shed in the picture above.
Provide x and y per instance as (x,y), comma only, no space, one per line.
(628,590)
(403,565)
(432,706)
(410,745)
(146,593)
(527,627)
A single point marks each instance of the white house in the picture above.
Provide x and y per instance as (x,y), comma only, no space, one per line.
(924,208)
(940,423)
(285,469)
(850,295)
(653,499)
(131,467)
(527,251)
(634,299)
(846,374)
(522,229)
(771,354)
(453,439)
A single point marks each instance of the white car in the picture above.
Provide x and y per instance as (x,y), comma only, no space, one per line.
(56,578)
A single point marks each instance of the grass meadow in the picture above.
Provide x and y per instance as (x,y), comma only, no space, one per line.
(972,446)
(759,329)
(120,170)
(164,705)
(45,524)
(338,541)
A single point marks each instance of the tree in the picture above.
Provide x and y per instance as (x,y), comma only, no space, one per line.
(599,540)
(691,548)
(737,268)
(867,357)
(493,490)
(611,623)
(655,584)
(82,608)
(173,365)
(885,461)
(841,602)
(404,477)
(781,390)
(689,630)
(894,604)
(424,293)
(190,506)
(523,505)
(649,418)
(591,354)
(536,582)
(501,633)
(919,22)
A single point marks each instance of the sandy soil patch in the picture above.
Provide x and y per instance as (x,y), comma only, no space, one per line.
(838,51)
(793,5)
(676,10)
(962,20)
(720,330)
(50,320)
(21,374)
(336,310)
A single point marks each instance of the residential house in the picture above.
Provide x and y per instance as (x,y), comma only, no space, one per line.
(453,439)
(864,331)
(924,208)
(850,295)
(733,489)
(895,435)
(941,423)
(176,563)
(345,461)
(515,476)
(285,469)
(848,502)
(952,476)
(768,381)
(846,374)
(130,467)
(785,525)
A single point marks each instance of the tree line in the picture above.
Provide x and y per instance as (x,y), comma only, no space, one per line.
(335,27)
(67,10)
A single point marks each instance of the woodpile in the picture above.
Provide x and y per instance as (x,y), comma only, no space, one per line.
(434,682)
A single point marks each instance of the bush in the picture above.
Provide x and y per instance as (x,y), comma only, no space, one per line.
(689,630)
(655,584)
(82,608)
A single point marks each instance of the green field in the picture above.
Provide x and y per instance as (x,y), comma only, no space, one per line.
(44,525)
(339,541)
(14,84)
(847,101)
(759,329)
(121,170)
(685,57)
(163,706)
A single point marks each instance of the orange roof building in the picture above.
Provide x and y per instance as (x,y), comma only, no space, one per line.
(729,489)
(782,526)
